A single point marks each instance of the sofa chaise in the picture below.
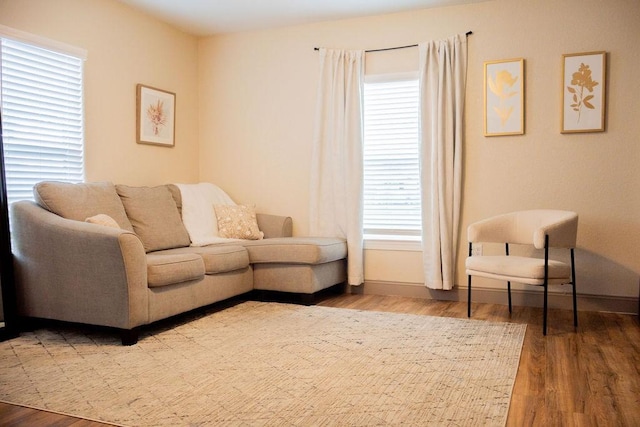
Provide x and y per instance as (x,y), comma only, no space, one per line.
(123,257)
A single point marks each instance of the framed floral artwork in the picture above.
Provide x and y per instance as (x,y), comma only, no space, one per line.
(155,116)
(504,97)
(583,92)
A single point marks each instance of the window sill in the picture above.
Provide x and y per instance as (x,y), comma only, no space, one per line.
(393,243)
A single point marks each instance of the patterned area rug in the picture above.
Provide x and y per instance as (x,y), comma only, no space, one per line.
(273,364)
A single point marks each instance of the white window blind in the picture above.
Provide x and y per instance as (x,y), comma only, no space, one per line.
(42,116)
(391,158)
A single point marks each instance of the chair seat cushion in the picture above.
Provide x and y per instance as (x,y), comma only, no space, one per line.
(164,270)
(517,269)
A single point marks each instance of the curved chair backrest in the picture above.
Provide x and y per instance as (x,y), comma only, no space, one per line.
(528,227)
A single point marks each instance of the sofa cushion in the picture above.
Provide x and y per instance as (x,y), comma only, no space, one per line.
(154,216)
(224,259)
(296,250)
(237,222)
(164,270)
(177,197)
(81,201)
(217,258)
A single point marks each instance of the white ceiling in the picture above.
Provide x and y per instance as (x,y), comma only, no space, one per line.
(207,17)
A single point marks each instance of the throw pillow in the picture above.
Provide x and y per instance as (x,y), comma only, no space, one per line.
(237,222)
(80,201)
(102,219)
(154,216)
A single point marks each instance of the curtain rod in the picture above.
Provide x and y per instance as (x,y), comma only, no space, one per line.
(468,33)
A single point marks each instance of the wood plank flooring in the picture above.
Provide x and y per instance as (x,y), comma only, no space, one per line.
(586,378)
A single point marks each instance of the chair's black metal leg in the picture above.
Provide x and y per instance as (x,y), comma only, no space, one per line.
(469,285)
(546,284)
(573,283)
(506,251)
(469,296)
(544,314)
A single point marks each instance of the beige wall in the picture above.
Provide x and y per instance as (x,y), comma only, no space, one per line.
(257,107)
(124,48)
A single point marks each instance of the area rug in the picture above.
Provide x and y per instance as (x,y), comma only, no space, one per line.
(273,364)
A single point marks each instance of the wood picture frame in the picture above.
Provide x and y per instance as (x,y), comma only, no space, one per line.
(583,92)
(504,97)
(155,116)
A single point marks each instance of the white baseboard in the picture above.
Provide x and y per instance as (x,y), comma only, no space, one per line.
(527,298)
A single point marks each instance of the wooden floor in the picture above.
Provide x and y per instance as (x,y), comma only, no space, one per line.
(586,378)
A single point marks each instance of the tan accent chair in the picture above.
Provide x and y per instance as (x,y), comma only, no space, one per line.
(543,229)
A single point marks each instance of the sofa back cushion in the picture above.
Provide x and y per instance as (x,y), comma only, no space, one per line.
(177,197)
(81,201)
(154,216)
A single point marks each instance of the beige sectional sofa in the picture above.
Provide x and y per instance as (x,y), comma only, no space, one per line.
(121,257)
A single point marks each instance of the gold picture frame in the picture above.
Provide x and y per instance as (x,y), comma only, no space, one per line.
(584,77)
(504,97)
(155,116)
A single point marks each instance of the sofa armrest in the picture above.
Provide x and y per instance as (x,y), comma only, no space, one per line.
(275,225)
(77,272)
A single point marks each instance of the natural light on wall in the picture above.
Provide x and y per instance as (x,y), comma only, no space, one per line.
(391,159)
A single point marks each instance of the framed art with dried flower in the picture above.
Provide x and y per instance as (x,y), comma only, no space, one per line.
(504,97)
(155,116)
(583,92)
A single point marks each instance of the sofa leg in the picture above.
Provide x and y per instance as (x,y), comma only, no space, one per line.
(259,295)
(129,336)
(307,299)
(29,324)
(339,289)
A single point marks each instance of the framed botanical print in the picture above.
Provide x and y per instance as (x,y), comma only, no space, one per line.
(504,97)
(583,92)
(155,116)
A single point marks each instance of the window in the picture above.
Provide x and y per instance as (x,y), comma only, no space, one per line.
(42,116)
(391,159)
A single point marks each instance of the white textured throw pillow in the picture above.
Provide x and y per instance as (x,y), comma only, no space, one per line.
(102,219)
(238,222)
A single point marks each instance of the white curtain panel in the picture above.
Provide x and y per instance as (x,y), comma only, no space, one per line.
(443,69)
(337,164)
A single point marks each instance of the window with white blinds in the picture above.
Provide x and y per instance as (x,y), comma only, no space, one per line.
(391,162)
(42,116)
